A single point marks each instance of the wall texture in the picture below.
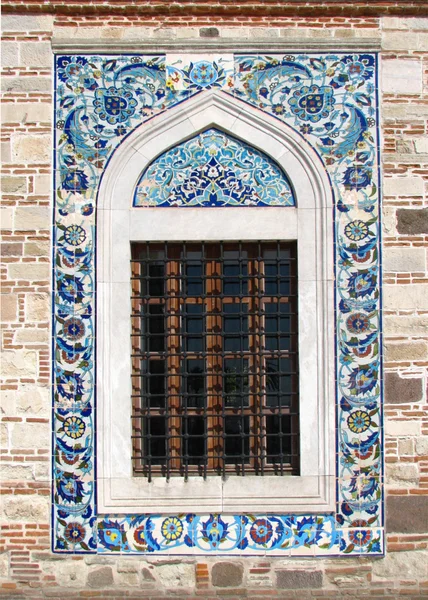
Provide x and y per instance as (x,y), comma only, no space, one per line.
(27,567)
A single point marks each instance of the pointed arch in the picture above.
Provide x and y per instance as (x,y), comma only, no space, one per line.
(309,222)
(285,146)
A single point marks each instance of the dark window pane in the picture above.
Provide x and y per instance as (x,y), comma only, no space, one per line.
(235,382)
(194,378)
(155,440)
(156,383)
(194,283)
(156,279)
(237,440)
(156,328)
(278,439)
(193,430)
(235,273)
(194,328)
(235,327)
(279,381)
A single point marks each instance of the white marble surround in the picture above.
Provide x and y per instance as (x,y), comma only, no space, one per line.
(310,223)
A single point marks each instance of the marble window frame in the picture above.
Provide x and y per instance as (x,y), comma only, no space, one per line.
(310,223)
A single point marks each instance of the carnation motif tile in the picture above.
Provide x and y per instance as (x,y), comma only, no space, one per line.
(330,100)
(188,74)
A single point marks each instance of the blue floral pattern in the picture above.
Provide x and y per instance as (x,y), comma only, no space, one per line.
(213,169)
(331,100)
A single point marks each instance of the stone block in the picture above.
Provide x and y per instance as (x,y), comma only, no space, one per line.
(32,218)
(29,271)
(26,23)
(209,32)
(5,152)
(27,112)
(227,574)
(19,363)
(31,148)
(8,308)
(414,23)
(235,33)
(405,111)
(388,220)
(412,221)
(261,33)
(9,54)
(31,435)
(404,259)
(403,186)
(128,579)
(401,76)
(396,428)
(144,33)
(127,566)
(298,579)
(4,436)
(405,325)
(42,185)
(16,472)
(147,575)
(393,23)
(11,249)
(4,565)
(176,575)
(400,390)
(398,41)
(402,474)
(6,218)
(422,41)
(31,399)
(37,307)
(14,185)
(33,509)
(41,248)
(101,577)
(410,565)
(405,147)
(406,447)
(68,573)
(26,84)
(31,336)
(8,402)
(35,54)
(187,33)
(421,446)
(405,297)
(421,145)
(42,471)
(406,351)
(406,514)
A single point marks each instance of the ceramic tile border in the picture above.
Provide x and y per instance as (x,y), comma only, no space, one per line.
(342,128)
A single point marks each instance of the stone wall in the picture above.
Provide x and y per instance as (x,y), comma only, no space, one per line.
(27,567)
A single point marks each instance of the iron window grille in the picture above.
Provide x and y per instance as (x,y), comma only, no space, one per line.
(214,359)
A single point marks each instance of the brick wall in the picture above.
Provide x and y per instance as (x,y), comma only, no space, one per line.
(27,568)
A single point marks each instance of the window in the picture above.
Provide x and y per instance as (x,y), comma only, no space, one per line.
(214,359)
(123,483)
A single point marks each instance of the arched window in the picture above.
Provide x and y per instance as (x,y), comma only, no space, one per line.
(220,289)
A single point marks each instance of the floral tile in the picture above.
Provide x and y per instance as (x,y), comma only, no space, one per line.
(191,73)
(331,101)
(220,171)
